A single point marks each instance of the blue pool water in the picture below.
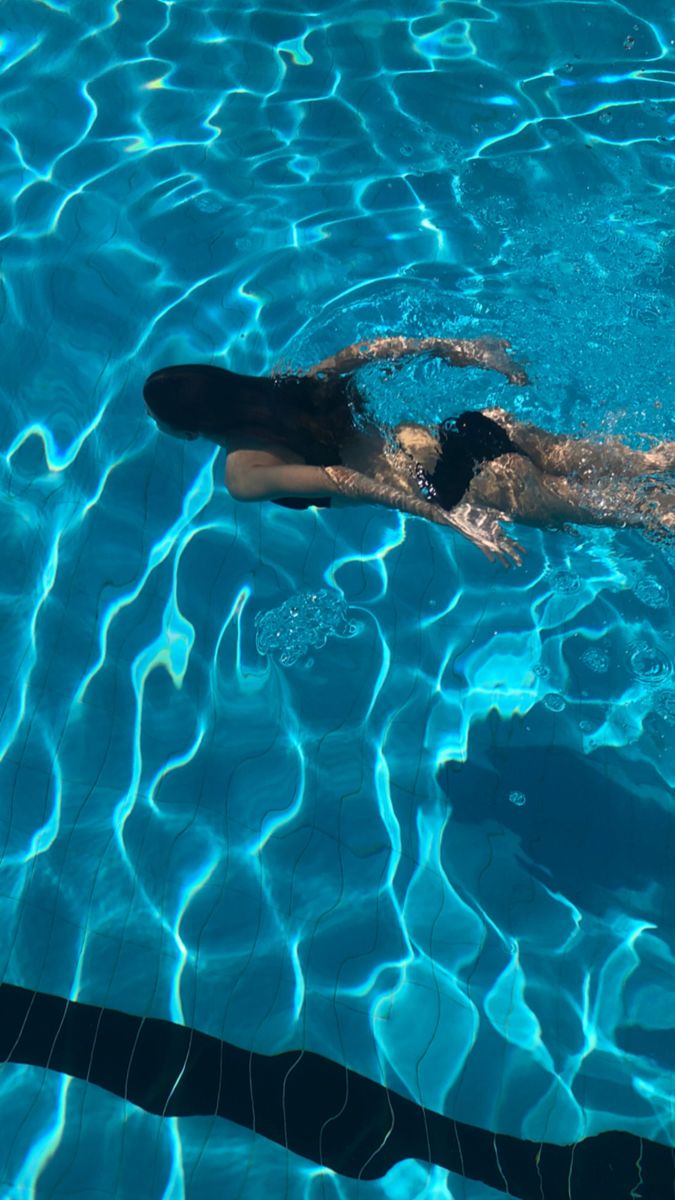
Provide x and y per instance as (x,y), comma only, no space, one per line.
(436,846)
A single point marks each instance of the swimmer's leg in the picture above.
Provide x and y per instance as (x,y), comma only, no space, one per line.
(516,487)
(584,458)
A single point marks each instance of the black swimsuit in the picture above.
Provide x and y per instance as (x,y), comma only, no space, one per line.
(467,441)
(302,502)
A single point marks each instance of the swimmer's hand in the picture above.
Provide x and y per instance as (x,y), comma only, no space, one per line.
(491,351)
(481,526)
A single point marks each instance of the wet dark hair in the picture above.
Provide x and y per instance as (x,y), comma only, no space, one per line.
(310,415)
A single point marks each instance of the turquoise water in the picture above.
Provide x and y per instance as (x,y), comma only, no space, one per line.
(437,847)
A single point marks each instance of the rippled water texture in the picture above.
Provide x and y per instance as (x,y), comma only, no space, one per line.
(441,852)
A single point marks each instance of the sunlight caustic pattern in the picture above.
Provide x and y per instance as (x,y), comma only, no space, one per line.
(435,850)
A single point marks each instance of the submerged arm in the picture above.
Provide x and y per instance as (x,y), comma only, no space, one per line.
(480,526)
(487,352)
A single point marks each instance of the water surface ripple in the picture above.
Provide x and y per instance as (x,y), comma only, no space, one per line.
(328,854)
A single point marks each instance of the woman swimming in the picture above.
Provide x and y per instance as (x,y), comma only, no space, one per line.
(304,439)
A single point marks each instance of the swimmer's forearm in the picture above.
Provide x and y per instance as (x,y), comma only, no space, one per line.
(356,488)
(352,357)
(488,353)
(480,526)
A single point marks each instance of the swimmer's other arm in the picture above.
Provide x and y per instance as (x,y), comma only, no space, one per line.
(487,352)
(480,526)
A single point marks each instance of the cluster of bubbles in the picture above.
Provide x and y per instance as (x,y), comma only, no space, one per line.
(565,583)
(664,705)
(596,660)
(651,592)
(304,621)
(647,663)
(209,202)
(517,798)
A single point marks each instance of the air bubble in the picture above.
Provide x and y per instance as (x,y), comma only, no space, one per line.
(664,705)
(596,660)
(647,663)
(651,592)
(209,203)
(565,583)
(308,619)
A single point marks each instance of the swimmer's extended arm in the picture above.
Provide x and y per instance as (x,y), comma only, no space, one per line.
(480,526)
(487,352)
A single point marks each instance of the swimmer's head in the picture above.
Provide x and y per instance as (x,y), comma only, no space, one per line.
(191,401)
(181,399)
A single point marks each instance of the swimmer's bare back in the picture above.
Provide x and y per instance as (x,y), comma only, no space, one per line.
(258,470)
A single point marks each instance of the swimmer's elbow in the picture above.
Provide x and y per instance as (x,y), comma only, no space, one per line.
(243,490)
(240,494)
(239,483)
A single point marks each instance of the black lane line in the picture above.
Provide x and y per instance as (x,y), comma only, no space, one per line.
(312,1105)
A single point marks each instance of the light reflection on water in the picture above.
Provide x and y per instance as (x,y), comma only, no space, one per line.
(326,857)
